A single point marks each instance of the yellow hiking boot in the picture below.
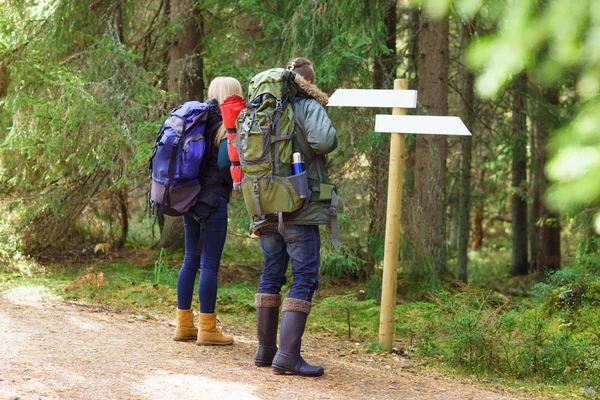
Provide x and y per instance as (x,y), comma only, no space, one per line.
(185,329)
(209,334)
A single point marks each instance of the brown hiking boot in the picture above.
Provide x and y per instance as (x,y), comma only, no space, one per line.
(209,334)
(185,329)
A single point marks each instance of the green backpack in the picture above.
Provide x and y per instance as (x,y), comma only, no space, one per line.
(265,143)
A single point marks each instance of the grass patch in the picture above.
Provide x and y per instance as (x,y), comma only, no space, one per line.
(551,340)
(344,316)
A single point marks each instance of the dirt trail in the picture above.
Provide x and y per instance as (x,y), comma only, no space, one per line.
(55,350)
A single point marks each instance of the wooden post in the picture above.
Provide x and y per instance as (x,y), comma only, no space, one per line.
(400,99)
(392,231)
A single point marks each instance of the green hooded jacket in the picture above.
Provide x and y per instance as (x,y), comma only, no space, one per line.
(315,137)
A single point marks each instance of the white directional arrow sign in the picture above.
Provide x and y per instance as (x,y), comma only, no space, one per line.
(397,124)
(373,98)
(421,124)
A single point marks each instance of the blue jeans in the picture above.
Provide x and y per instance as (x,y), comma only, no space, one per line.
(215,233)
(300,244)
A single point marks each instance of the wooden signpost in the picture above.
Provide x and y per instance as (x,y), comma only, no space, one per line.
(400,99)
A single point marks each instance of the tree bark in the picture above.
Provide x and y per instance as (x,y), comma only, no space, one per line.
(4,82)
(453,184)
(384,73)
(428,228)
(549,252)
(384,69)
(477,233)
(467,113)
(186,65)
(410,145)
(453,230)
(535,180)
(185,77)
(519,256)
(123,218)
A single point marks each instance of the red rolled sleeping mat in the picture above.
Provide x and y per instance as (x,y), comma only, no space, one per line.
(230,109)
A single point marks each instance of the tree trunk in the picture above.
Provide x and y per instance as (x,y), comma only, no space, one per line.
(467,107)
(384,73)
(477,234)
(410,145)
(453,184)
(453,231)
(184,78)
(535,180)
(163,75)
(384,69)
(413,42)
(428,228)
(4,82)
(123,218)
(549,254)
(186,66)
(519,256)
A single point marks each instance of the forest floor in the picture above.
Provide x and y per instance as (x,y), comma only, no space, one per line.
(52,349)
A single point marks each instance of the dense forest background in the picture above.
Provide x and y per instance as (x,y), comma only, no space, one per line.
(85,85)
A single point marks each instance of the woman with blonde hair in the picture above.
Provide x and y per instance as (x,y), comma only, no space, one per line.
(207,228)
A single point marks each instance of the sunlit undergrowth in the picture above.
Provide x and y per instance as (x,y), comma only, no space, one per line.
(550,339)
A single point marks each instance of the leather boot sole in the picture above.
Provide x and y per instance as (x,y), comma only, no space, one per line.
(203,343)
(184,339)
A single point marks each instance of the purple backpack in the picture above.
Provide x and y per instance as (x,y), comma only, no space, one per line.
(176,162)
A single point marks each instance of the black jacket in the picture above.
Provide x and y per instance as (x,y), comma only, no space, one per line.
(211,180)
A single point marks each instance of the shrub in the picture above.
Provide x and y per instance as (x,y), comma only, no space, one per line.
(554,338)
(340,262)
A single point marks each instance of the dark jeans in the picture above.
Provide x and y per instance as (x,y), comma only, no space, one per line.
(300,244)
(215,233)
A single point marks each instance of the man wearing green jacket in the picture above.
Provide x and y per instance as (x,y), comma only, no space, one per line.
(298,241)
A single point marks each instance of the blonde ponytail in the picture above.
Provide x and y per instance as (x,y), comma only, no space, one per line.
(219,89)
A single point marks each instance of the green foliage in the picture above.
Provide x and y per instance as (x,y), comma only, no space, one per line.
(531,35)
(588,262)
(375,347)
(554,338)
(340,50)
(347,316)
(125,285)
(86,92)
(420,274)
(80,128)
(9,244)
(142,230)
(576,163)
(237,298)
(419,322)
(374,287)
(162,272)
(488,268)
(340,262)
(567,291)
(86,96)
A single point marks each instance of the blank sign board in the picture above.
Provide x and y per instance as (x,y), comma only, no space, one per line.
(373,98)
(421,124)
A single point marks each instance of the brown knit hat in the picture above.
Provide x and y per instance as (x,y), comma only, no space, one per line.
(302,67)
